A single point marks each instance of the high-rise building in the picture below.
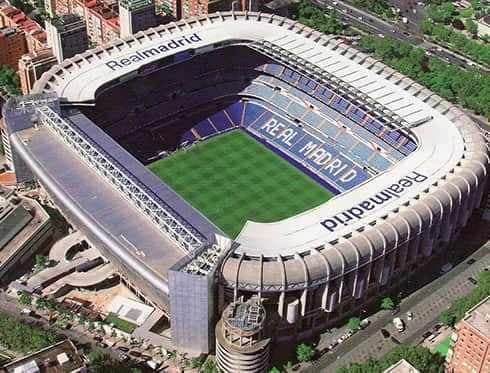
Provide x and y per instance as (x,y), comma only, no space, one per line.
(192,8)
(136,15)
(32,66)
(34,33)
(469,350)
(101,18)
(67,35)
(12,46)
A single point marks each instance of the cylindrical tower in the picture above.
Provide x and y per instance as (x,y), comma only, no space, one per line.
(241,344)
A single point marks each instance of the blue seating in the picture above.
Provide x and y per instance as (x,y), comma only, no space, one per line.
(235,112)
(221,121)
(379,162)
(346,140)
(205,129)
(296,109)
(252,113)
(187,137)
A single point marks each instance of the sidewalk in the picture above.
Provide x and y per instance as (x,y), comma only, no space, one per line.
(426,304)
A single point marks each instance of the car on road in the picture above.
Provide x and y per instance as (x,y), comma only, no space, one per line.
(471,261)
(395,310)
(385,333)
(472,280)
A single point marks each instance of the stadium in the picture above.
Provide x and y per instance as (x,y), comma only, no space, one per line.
(245,165)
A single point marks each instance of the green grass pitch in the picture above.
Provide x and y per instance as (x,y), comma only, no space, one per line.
(232,178)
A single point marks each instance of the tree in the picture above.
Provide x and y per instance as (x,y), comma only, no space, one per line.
(471,26)
(209,366)
(387,303)
(25,298)
(101,362)
(9,81)
(354,323)
(288,367)
(274,370)
(41,262)
(420,357)
(304,352)
(447,318)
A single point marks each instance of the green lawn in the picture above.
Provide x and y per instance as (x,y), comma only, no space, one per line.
(443,346)
(232,178)
(121,324)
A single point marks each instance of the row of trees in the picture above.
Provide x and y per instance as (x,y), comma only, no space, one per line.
(471,89)
(458,309)
(420,357)
(20,337)
(456,40)
(310,15)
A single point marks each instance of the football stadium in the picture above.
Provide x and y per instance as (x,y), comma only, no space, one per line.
(256,180)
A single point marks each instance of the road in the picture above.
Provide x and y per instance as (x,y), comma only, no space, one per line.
(408,33)
(426,304)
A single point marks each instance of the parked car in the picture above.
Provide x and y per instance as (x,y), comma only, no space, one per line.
(446,268)
(426,335)
(146,357)
(438,326)
(471,261)
(399,324)
(122,349)
(26,311)
(123,357)
(135,353)
(364,323)
(385,333)
(472,280)
(409,315)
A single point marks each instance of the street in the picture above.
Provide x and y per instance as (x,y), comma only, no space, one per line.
(426,304)
(408,33)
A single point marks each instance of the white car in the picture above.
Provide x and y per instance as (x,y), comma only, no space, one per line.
(399,324)
(409,315)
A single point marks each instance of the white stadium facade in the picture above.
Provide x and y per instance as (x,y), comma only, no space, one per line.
(410,168)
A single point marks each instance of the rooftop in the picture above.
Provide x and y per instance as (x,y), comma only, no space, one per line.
(402,366)
(479,317)
(59,358)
